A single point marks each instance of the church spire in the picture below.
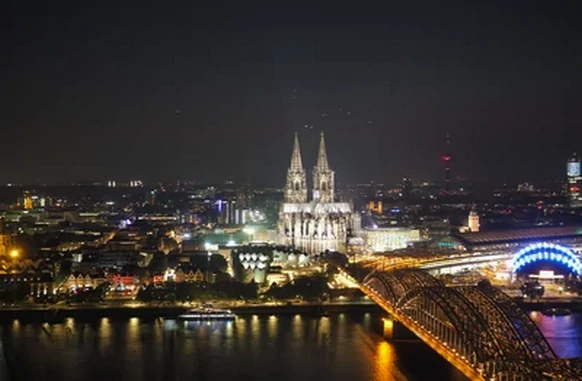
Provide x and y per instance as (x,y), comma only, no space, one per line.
(296,163)
(296,187)
(322,163)
(323,176)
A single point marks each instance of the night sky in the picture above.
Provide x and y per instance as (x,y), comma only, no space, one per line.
(93,91)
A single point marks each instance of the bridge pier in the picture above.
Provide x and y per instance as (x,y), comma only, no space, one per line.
(392,329)
(388,328)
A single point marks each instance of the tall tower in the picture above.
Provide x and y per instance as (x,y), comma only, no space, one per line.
(296,187)
(447,158)
(574,181)
(323,176)
(474,224)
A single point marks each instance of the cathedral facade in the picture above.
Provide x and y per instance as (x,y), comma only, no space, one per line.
(319,224)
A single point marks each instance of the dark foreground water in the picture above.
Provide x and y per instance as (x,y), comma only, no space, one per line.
(338,347)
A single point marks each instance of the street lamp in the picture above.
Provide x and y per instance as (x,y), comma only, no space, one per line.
(14,253)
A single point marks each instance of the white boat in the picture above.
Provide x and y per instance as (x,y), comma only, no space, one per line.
(207,314)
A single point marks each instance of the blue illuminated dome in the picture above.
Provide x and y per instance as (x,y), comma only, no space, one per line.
(547,252)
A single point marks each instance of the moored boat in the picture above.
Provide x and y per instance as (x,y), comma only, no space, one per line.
(207,314)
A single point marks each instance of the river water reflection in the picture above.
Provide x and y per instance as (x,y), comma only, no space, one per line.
(300,347)
(563,333)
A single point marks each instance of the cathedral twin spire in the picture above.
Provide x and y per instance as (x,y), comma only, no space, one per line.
(322,163)
(323,177)
(296,163)
(296,188)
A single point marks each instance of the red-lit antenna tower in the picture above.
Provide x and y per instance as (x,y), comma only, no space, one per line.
(447,158)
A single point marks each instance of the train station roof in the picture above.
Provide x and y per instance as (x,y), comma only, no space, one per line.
(519,236)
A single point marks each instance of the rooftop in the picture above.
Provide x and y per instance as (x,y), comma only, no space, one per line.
(519,235)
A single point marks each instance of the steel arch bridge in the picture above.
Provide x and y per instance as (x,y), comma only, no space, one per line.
(479,329)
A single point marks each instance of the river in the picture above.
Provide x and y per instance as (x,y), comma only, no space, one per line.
(286,347)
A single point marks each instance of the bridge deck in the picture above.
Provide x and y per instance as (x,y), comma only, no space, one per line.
(462,364)
(478,329)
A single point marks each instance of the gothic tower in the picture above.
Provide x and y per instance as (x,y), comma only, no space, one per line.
(296,187)
(323,176)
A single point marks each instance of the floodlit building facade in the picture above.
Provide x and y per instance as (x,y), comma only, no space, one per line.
(389,239)
(256,262)
(322,223)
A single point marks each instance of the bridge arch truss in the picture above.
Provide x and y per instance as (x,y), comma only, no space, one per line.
(479,326)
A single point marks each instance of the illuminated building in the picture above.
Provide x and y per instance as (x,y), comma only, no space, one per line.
(233,207)
(573,171)
(228,214)
(525,187)
(376,207)
(389,239)
(473,222)
(83,280)
(321,224)
(27,202)
(5,240)
(188,275)
(255,262)
(37,283)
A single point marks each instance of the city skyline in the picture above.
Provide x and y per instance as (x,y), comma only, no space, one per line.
(457,181)
(238,190)
(183,93)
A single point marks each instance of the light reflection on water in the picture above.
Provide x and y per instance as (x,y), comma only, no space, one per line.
(296,347)
(562,332)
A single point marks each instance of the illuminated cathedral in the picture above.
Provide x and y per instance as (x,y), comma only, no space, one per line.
(320,224)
